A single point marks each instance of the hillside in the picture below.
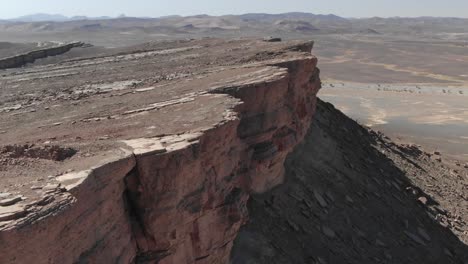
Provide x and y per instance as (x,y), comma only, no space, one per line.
(351,195)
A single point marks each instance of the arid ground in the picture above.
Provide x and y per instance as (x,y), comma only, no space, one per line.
(404,77)
(414,91)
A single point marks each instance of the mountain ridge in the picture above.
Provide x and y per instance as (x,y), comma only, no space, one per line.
(48,17)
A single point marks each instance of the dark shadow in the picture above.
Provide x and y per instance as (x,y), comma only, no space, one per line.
(347,199)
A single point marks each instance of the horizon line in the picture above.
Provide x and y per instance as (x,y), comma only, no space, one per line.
(221,15)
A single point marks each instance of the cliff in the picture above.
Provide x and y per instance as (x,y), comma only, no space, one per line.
(29,57)
(155,171)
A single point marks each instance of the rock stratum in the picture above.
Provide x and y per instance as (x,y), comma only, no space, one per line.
(31,56)
(149,155)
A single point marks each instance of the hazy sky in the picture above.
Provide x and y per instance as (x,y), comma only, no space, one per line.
(155,8)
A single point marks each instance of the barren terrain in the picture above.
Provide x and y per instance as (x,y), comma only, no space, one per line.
(90,105)
(157,124)
(351,195)
(405,54)
(433,116)
(148,154)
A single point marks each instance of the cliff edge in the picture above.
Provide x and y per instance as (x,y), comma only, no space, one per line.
(150,155)
(20,60)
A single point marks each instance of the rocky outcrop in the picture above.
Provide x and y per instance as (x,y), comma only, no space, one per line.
(23,59)
(198,192)
(177,198)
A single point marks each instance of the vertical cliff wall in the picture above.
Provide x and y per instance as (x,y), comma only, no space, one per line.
(190,203)
(177,198)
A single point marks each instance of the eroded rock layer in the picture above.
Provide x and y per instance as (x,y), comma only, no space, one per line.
(177,194)
(29,57)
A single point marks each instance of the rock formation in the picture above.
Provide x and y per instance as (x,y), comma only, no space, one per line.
(29,57)
(177,194)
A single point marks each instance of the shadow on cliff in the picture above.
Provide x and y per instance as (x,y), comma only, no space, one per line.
(347,199)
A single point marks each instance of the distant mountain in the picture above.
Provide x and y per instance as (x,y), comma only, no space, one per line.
(43,17)
(79,18)
(294,24)
(292,15)
(40,17)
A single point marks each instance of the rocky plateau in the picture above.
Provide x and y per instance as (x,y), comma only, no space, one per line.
(211,151)
(100,168)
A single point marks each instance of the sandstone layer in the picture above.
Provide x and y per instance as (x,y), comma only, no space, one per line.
(150,155)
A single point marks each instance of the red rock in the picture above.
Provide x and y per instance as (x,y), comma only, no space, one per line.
(178,198)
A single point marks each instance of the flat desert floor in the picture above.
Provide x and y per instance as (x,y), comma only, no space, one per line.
(413,91)
(422,115)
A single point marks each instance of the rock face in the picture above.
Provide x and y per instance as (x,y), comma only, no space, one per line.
(87,221)
(198,191)
(177,198)
(30,57)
